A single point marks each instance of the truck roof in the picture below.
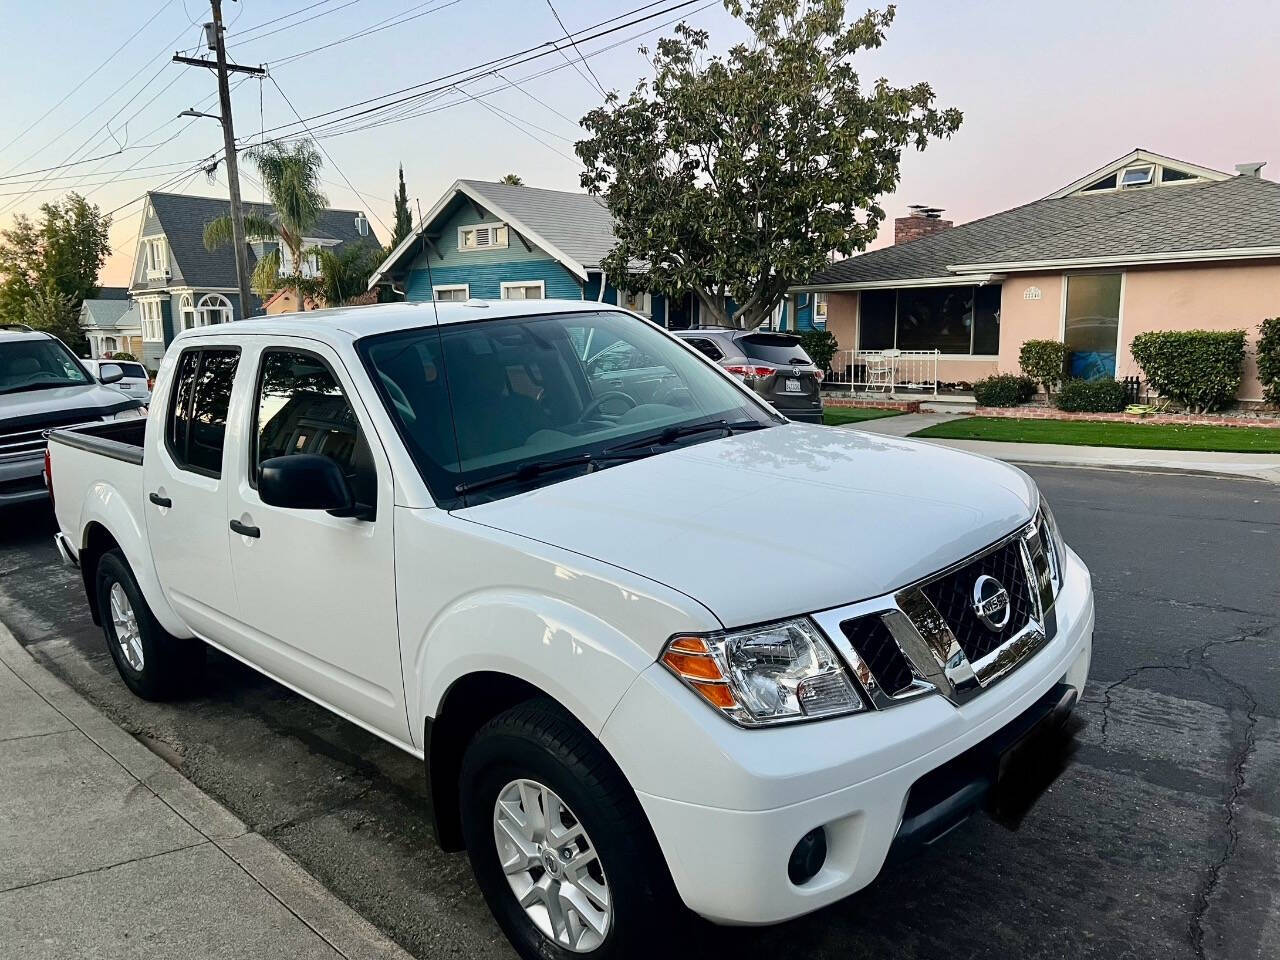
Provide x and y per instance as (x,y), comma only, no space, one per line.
(362,321)
(9,334)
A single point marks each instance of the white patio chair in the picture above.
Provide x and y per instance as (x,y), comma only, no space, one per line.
(880,371)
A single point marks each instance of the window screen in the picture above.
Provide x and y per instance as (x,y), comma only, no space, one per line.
(197,422)
(302,409)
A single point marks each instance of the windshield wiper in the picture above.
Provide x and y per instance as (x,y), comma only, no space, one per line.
(41,386)
(672,434)
(535,468)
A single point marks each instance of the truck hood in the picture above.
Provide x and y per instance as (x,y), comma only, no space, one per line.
(779,522)
(93,399)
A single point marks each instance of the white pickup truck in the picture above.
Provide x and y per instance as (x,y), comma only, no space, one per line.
(657,645)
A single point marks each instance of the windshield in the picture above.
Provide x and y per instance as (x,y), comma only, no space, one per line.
(38,364)
(529,392)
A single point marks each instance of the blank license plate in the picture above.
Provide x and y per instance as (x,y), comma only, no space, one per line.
(791,386)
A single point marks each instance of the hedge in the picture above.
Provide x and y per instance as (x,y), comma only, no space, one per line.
(1091,396)
(1269,359)
(1198,368)
(1043,361)
(1003,390)
(821,346)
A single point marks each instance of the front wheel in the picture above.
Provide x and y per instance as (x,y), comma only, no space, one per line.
(153,664)
(559,844)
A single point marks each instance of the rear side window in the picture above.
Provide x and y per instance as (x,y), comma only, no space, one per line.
(772,348)
(302,409)
(132,369)
(706,347)
(197,421)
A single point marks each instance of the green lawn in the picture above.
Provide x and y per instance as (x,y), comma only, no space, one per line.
(838,416)
(1099,434)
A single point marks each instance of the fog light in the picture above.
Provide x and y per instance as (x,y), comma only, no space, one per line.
(808,856)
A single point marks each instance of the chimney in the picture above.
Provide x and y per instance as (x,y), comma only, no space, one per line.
(1250,169)
(922,221)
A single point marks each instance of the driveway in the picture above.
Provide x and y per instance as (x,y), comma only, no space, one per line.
(1162,839)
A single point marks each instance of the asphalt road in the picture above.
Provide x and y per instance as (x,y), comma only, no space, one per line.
(1162,839)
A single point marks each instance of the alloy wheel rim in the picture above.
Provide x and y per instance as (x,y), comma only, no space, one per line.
(125,623)
(552,866)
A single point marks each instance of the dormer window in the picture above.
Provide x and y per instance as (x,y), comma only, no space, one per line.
(1137,176)
(482,236)
(155,258)
(1171,175)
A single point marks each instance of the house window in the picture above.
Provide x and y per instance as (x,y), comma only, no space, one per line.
(1106,183)
(482,236)
(1091,325)
(1137,176)
(820,310)
(452,294)
(641,303)
(962,321)
(1170,175)
(152,325)
(213,308)
(310,257)
(523,290)
(187,312)
(156,258)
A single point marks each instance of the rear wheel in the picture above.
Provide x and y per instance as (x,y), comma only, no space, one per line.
(559,844)
(153,664)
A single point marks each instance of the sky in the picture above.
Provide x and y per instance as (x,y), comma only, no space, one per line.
(1049,92)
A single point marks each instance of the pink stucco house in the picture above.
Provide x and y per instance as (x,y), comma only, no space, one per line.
(1146,242)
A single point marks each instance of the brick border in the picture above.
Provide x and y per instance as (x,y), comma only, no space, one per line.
(904,406)
(1040,412)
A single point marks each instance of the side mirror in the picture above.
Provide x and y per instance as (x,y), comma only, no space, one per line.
(110,373)
(305,481)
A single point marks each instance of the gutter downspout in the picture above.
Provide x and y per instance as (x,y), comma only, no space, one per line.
(604,282)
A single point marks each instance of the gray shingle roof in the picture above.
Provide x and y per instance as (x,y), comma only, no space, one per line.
(578,224)
(109,313)
(1234,213)
(183,218)
(112,293)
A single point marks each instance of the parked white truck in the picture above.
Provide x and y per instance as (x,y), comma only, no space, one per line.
(656,644)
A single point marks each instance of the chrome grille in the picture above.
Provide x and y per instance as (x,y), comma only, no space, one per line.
(874,643)
(28,440)
(953,596)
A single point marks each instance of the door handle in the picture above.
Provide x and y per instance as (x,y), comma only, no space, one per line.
(245,530)
(159,501)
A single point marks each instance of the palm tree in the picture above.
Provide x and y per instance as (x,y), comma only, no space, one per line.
(291,176)
(512,179)
(345,271)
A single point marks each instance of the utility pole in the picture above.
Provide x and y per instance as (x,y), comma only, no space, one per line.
(216,40)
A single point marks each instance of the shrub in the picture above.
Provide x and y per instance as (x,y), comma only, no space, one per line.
(1092,396)
(1269,359)
(1198,368)
(1003,390)
(123,355)
(821,346)
(1043,361)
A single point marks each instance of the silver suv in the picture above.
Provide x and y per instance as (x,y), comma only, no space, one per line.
(774,365)
(43,385)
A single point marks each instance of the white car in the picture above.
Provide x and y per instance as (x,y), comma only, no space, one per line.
(437,522)
(135,382)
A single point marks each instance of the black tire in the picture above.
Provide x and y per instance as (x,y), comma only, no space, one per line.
(170,665)
(539,740)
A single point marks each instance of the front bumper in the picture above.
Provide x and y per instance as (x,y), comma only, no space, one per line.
(728,805)
(21,480)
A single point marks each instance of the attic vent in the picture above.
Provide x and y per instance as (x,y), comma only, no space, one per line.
(482,237)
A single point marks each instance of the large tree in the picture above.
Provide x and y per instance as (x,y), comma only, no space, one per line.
(48,267)
(291,175)
(345,271)
(404,219)
(737,176)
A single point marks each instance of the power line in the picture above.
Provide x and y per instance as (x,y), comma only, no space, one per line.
(240,35)
(92,73)
(568,36)
(508,120)
(385,24)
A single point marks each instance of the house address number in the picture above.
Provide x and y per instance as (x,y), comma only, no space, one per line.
(1031,293)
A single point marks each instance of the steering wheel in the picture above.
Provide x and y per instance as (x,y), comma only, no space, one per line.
(594,406)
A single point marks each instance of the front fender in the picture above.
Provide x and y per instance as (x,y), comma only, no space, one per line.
(580,660)
(105,506)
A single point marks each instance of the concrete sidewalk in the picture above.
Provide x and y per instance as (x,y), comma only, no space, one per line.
(107,851)
(1251,466)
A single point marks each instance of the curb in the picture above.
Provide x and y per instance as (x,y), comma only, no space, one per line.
(282,879)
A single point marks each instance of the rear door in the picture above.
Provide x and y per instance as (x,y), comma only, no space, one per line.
(185,490)
(317,592)
(794,383)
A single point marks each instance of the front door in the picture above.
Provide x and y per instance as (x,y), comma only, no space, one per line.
(317,592)
(185,491)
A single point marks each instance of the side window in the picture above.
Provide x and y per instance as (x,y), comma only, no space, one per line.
(302,409)
(197,422)
(705,347)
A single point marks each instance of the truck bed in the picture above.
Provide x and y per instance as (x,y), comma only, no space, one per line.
(118,439)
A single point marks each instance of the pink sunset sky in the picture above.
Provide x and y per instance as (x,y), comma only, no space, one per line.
(1049,92)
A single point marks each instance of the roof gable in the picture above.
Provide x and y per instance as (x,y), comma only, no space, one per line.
(1109,177)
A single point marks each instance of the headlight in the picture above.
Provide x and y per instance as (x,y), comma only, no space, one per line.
(766,675)
(1055,546)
